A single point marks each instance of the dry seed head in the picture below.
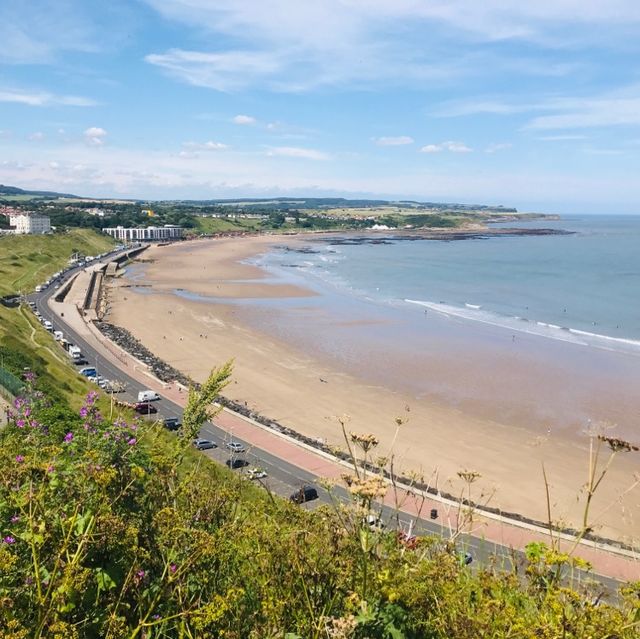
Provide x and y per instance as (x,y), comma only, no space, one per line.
(469,476)
(618,445)
(366,441)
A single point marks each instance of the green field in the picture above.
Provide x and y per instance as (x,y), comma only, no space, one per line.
(28,260)
(222,225)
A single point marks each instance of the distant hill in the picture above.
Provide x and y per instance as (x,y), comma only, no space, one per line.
(14,190)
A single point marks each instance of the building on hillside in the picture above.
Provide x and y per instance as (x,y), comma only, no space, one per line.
(96,212)
(27,222)
(148,212)
(149,234)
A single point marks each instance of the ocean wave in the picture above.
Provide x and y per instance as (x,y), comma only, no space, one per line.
(533,327)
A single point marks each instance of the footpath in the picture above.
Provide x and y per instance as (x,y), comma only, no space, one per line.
(494,529)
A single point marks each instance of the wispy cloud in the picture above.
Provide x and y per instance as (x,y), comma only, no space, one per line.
(452,147)
(298,152)
(36,136)
(43,98)
(399,140)
(561,138)
(590,113)
(227,71)
(498,146)
(205,146)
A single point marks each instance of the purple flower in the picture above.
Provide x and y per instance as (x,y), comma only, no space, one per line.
(68,437)
(50,468)
(20,423)
(84,411)
(15,519)
(132,441)
(19,458)
(156,617)
(172,568)
(9,540)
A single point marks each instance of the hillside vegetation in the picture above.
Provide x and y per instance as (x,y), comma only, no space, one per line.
(28,260)
(110,529)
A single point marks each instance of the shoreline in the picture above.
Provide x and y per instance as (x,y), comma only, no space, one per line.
(279,380)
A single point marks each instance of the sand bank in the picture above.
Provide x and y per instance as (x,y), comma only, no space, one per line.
(308,392)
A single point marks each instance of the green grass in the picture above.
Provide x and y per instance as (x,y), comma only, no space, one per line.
(221,225)
(28,260)
(25,344)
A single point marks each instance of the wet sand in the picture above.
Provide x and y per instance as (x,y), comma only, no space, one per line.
(306,389)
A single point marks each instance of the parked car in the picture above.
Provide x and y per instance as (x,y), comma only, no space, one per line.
(148,396)
(114,387)
(88,371)
(256,473)
(236,447)
(236,463)
(145,408)
(306,493)
(172,423)
(204,444)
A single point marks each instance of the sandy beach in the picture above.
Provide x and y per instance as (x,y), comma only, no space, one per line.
(307,392)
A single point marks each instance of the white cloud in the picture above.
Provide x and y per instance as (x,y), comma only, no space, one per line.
(43,98)
(290,45)
(298,152)
(590,112)
(393,140)
(227,71)
(498,146)
(561,138)
(205,146)
(244,119)
(451,146)
(36,136)
(95,135)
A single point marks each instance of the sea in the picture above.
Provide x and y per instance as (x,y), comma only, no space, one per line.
(582,287)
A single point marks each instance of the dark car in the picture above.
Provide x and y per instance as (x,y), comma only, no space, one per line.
(236,463)
(172,423)
(204,444)
(306,493)
(145,408)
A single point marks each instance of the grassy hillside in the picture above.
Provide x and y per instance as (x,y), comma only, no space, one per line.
(28,260)
(222,225)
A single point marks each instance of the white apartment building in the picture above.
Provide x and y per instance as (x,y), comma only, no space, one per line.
(149,234)
(27,223)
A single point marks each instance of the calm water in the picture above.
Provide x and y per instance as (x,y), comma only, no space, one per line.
(582,288)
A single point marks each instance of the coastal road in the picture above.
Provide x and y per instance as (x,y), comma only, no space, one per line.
(283,476)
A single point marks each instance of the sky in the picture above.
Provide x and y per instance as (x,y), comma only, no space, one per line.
(527,104)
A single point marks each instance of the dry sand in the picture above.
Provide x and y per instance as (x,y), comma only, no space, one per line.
(308,394)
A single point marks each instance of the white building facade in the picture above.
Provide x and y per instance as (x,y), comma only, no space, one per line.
(149,234)
(26,223)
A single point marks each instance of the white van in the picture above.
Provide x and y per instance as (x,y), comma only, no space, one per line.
(48,325)
(148,396)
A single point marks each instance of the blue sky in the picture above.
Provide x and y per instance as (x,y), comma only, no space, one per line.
(535,105)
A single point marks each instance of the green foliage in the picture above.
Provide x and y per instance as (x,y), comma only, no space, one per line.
(198,409)
(107,532)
